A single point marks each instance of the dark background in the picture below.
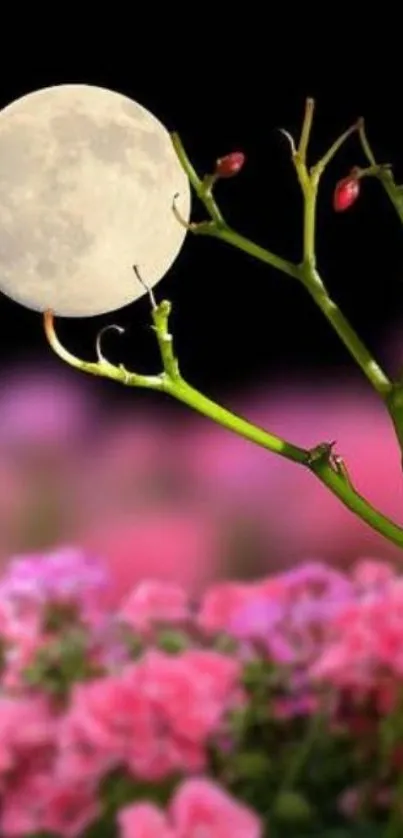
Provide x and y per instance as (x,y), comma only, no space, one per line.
(235,321)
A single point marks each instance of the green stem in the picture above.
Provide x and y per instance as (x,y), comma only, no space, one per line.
(394,400)
(165,342)
(357,504)
(226,234)
(310,183)
(393,191)
(364,142)
(394,403)
(320,166)
(184,392)
(321,467)
(383,173)
(310,194)
(311,280)
(306,129)
(201,187)
(314,285)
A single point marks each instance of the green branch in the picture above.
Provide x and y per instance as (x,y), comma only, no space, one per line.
(394,191)
(329,469)
(321,460)
(306,271)
(356,347)
(382,172)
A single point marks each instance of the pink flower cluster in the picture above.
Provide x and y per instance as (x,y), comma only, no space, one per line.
(325,626)
(87,694)
(198,808)
(365,653)
(155,717)
(66,586)
(152,717)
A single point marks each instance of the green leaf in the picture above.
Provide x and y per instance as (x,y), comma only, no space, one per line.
(173,641)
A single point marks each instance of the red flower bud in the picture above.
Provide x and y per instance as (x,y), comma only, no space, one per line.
(346,193)
(230,165)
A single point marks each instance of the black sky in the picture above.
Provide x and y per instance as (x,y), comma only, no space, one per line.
(236,321)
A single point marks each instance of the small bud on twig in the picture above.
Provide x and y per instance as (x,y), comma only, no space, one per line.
(230,165)
(346,193)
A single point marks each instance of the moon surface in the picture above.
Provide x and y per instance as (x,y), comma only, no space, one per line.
(87,179)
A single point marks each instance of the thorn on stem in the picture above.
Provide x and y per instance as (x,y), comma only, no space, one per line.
(323,451)
(177,214)
(101,358)
(193,226)
(340,467)
(290,139)
(149,290)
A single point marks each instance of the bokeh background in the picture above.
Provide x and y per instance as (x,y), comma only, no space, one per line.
(154,489)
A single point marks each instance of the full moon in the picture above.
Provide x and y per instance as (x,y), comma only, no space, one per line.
(87,180)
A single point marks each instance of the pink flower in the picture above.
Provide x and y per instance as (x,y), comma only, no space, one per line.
(203,684)
(222,602)
(106,716)
(36,801)
(24,641)
(154,602)
(144,820)
(288,614)
(27,727)
(65,584)
(364,652)
(69,808)
(23,805)
(66,576)
(372,576)
(119,720)
(199,807)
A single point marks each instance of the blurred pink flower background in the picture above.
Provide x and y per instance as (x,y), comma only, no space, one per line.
(171,496)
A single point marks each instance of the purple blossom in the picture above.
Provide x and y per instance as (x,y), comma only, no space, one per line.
(67,576)
(293,620)
(257,619)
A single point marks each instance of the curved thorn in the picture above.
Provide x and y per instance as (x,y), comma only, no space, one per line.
(100,356)
(147,288)
(177,214)
(290,139)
